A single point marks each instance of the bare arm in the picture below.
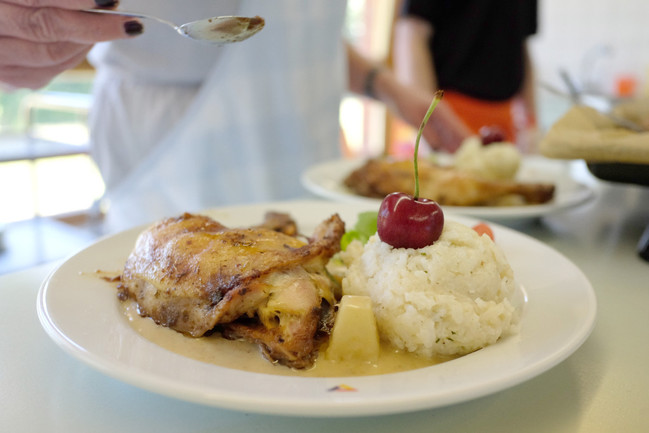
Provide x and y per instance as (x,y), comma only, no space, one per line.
(443,131)
(414,66)
(39,39)
(527,91)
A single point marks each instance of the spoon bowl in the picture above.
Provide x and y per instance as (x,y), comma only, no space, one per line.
(224,29)
(216,30)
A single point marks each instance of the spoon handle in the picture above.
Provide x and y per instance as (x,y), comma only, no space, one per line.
(131,14)
(114,12)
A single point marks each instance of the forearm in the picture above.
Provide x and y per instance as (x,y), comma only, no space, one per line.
(445,129)
(359,68)
(528,90)
(373,80)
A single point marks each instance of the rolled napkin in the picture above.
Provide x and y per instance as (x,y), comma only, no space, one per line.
(584,133)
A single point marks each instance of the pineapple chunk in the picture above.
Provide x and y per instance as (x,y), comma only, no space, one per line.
(354,336)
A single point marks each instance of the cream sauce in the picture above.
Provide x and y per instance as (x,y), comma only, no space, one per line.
(246,356)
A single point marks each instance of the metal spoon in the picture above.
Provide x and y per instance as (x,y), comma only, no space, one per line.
(216,30)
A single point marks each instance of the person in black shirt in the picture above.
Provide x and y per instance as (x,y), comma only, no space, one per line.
(474,50)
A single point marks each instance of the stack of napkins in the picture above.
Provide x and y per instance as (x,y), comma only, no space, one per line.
(584,133)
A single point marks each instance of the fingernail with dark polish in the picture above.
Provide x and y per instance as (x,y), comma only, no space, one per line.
(133,28)
(106,3)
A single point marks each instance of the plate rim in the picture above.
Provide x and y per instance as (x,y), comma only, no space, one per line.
(340,405)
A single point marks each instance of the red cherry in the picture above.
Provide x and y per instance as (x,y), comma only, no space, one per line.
(492,134)
(408,222)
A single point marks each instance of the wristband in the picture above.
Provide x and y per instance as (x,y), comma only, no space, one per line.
(370,78)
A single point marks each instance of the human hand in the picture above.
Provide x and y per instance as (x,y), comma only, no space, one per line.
(444,131)
(527,140)
(39,39)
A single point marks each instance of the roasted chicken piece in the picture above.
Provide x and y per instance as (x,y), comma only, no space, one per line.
(195,275)
(279,222)
(446,185)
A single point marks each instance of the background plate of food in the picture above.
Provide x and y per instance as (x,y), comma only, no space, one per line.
(530,186)
(79,307)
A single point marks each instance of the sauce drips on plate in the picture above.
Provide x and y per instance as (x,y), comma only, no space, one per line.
(242,355)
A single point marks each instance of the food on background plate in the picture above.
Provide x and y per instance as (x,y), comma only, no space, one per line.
(482,173)
(612,153)
(446,185)
(194,275)
(583,133)
(492,134)
(496,161)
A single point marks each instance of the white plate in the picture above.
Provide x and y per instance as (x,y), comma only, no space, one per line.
(80,312)
(326,180)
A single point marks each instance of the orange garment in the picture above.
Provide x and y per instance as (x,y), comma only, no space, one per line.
(509,115)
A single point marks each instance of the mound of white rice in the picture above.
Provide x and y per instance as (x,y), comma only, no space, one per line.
(450,298)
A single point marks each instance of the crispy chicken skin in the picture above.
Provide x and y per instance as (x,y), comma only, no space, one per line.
(446,185)
(193,274)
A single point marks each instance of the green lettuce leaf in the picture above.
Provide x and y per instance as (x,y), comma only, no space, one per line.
(364,228)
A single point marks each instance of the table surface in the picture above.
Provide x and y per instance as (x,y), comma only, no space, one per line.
(602,387)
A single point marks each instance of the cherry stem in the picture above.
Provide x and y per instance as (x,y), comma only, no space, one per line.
(437,97)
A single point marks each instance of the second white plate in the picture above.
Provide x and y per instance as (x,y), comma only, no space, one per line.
(326,180)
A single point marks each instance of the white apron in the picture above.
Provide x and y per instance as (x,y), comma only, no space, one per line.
(268,108)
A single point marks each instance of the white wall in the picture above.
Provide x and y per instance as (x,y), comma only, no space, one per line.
(571,31)
(596,41)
